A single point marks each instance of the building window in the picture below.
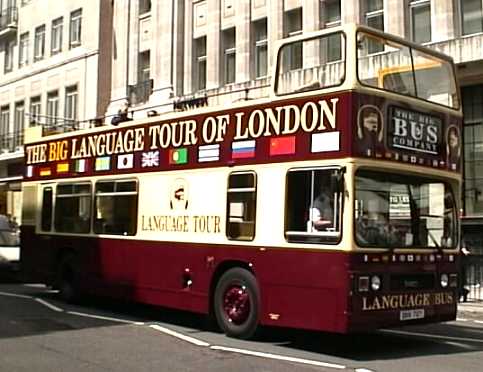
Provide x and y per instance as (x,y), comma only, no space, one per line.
(5,127)
(420,21)
(23,54)
(144,66)
(52,108)
(471,16)
(116,205)
(56,37)
(71,95)
(313,205)
(75,28)
(261,47)
(39,43)
(375,18)
(73,208)
(332,19)
(473,150)
(144,6)
(35,110)
(200,63)
(19,119)
(9,55)
(229,56)
(293,27)
(241,206)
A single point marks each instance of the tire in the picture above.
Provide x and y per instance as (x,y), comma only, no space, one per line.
(237,303)
(66,281)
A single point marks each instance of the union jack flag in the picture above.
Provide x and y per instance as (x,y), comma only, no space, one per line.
(150,159)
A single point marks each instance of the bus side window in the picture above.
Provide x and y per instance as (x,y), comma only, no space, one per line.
(313,206)
(241,206)
(116,204)
(47,203)
(73,208)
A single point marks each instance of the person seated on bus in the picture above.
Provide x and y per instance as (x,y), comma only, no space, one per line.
(322,211)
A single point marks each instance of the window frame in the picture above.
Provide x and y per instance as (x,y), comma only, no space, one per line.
(56,39)
(200,58)
(415,5)
(79,195)
(49,213)
(9,56)
(71,98)
(101,194)
(237,191)
(316,237)
(260,46)
(39,43)
(23,50)
(229,55)
(52,102)
(75,28)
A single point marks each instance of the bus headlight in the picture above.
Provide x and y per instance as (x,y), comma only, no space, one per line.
(444,280)
(375,283)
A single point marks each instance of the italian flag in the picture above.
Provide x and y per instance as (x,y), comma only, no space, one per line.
(178,156)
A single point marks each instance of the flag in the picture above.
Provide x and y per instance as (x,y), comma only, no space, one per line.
(178,156)
(30,171)
(62,167)
(80,165)
(150,159)
(282,145)
(103,163)
(125,161)
(209,153)
(324,142)
(45,172)
(243,149)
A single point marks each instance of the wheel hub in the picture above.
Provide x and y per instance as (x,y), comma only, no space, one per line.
(236,304)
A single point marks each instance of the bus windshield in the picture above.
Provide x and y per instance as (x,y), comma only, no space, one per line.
(405,70)
(396,211)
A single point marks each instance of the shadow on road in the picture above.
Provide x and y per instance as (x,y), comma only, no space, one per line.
(377,345)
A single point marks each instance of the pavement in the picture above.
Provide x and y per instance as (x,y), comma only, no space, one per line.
(471,308)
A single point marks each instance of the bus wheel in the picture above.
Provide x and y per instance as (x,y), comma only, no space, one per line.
(237,303)
(66,283)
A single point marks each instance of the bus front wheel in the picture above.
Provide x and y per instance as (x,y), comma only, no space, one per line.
(237,303)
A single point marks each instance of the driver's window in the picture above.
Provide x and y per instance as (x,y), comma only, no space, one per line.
(313,205)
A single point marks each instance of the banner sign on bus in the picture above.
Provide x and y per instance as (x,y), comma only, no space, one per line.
(414,131)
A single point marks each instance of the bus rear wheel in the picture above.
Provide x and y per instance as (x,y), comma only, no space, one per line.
(237,303)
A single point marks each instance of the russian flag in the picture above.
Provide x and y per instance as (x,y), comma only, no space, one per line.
(243,149)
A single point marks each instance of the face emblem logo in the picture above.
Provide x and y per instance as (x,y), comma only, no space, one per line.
(179,195)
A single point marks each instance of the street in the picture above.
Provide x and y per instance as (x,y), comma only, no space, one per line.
(39,332)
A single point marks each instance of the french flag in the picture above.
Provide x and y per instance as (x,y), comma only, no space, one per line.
(243,149)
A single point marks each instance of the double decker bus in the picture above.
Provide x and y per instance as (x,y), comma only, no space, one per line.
(332,205)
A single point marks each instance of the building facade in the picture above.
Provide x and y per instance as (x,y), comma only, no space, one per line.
(176,54)
(54,72)
(65,63)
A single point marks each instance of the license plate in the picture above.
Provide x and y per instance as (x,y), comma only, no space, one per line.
(411,314)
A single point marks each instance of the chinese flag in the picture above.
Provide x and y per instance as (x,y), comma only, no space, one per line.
(282,145)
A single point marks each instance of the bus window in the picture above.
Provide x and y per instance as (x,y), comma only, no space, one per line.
(313,206)
(116,205)
(398,211)
(47,203)
(73,208)
(405,70)
(322,64)
(241,206)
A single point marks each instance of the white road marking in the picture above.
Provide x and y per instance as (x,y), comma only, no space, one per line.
(278,357)
(179,335)
(50,306)
(118,320)
(461,319)
(478,321)
(433,336)
(363,370)
(6,294)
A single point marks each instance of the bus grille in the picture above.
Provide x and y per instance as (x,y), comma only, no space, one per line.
(412,281)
